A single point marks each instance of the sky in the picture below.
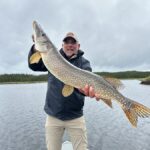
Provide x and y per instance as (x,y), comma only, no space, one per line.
(114,34)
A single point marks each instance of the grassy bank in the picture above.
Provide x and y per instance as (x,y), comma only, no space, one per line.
(146,80)
(126,74)
(27,78)
(22,78)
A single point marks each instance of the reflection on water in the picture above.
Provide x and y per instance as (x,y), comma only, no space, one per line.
(22,119)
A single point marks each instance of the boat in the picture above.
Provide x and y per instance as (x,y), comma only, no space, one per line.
(67,145)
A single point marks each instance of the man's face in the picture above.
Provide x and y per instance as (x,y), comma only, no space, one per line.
(70,46)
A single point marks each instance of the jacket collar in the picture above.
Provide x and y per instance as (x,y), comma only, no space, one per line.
(79,54)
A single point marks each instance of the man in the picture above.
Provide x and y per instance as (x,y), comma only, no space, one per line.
(65,113)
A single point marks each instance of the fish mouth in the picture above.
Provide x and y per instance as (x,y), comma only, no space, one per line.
(34,23)
(37,30)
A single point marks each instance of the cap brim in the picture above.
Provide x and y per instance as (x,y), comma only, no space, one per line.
(69,37)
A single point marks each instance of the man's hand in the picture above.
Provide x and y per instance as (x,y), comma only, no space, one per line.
(89,91)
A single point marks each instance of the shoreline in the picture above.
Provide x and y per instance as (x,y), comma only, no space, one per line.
(23,82)
(142,81)
(143,77)
(146,81)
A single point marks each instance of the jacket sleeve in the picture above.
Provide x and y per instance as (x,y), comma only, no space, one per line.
(36,66)
(86,65)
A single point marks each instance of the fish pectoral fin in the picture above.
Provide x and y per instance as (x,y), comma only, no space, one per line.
(35,58)
(107,101)
(67,90)
(116,83)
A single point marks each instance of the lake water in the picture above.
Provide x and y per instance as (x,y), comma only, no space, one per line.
(22,119)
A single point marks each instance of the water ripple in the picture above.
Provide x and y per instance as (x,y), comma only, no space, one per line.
(22,119)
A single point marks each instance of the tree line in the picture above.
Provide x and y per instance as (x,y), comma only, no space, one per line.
(126,74)
(22,78)
(42,78)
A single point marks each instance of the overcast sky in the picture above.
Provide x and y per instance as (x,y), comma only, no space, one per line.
(114,34)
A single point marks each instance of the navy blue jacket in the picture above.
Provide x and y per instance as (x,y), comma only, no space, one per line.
(64,108)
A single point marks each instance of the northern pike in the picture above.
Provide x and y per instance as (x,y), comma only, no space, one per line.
(74,77)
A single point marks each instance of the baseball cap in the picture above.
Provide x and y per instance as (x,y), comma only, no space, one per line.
(70,35)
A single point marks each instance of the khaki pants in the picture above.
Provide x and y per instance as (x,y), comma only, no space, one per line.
(55,130)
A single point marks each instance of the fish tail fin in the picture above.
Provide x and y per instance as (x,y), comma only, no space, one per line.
(133,110)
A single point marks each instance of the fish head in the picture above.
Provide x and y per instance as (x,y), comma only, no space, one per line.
(41,40)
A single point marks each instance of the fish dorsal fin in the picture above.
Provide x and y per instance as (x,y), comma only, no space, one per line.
(116,83)
(67,90)
(35,58)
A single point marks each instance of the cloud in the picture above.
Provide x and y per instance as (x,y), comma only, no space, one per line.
(114,34)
